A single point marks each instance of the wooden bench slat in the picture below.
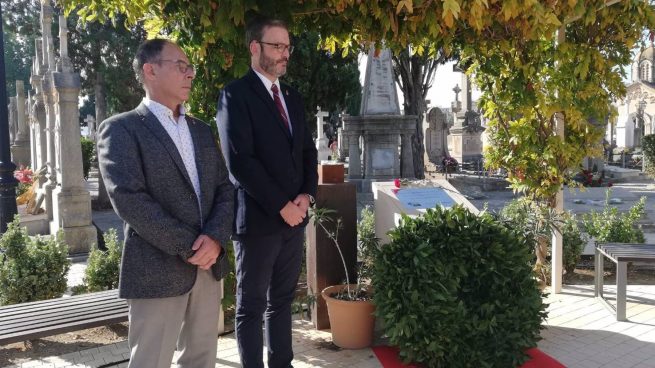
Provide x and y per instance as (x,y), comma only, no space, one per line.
(64,321)
(63,300)
(55,314)
(63,328)
(10,313)
(32,320)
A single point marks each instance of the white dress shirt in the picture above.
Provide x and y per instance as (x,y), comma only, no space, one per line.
(181,136)
(268,84)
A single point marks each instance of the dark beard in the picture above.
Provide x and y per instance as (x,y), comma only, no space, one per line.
(268,65)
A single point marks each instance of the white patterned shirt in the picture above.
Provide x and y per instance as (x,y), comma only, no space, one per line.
(181,136)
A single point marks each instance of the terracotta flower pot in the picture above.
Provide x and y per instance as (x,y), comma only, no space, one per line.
(351,322)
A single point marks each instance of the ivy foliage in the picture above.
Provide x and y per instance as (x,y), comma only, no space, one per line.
(31,268)
(457,290)
(509,46)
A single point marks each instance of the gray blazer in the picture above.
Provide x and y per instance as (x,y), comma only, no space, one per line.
(150,190)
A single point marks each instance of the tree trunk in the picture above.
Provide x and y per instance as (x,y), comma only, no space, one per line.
(101,114)
(414,75)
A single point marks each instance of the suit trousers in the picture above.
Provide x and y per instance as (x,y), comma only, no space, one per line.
(267,270)
(189,320)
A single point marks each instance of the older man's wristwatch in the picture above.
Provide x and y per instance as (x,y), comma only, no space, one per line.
(311,199)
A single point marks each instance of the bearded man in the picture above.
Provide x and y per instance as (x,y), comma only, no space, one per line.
(272,162)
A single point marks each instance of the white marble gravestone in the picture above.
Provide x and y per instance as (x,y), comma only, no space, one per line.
(413,200)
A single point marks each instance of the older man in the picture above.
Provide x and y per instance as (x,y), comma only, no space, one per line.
(167,181)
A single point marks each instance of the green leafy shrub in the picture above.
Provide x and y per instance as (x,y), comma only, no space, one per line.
(648,145)
(457,290)
(573,242)
(102,268)
(367,243)
(610,225)
(529,218)
(88,155)
(31,268)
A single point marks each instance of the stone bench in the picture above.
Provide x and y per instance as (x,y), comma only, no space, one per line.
(621,254)
(25,321)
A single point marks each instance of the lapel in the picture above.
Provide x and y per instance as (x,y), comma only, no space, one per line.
(262,93)
(194,128)
(296,119)
(158,131)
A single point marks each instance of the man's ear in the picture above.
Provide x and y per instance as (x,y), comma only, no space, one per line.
(254,47)
(148,71)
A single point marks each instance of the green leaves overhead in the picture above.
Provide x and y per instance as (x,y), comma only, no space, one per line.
(509,45)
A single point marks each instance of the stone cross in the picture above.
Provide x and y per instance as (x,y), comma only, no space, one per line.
(320,115)
(91,124)
(46,31)
(456,105)
(64,64)
(321,140)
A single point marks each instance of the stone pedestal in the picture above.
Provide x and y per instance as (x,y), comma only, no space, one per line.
(465,144)
(385,143)
(324,266)
(71,201)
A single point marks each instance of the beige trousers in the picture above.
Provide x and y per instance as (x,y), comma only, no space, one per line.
(188,322)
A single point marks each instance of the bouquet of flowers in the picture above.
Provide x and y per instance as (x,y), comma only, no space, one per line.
(24,177)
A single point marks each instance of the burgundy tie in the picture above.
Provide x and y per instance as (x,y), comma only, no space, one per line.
(278,103)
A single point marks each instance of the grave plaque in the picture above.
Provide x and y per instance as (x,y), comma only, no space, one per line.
(424,198)
(383,158)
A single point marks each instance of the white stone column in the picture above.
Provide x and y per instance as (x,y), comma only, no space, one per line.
(13,121)
(321,140)
(21,147)
(71,201)
(49,108)
(38,114)
(91,127)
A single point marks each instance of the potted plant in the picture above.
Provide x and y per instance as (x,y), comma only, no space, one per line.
(350,307)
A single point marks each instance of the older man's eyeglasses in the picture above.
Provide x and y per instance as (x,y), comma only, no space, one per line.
(182,65)
(279,47)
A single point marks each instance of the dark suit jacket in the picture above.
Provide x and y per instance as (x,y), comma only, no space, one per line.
(268,165)
(150,190)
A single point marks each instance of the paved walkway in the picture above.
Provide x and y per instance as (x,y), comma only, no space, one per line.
(582,333)
(312,349)
(579,332)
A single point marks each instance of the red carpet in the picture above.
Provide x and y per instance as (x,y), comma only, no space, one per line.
(388,357)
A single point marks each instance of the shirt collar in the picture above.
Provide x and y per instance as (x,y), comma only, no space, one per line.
(152,104)
(267,82)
